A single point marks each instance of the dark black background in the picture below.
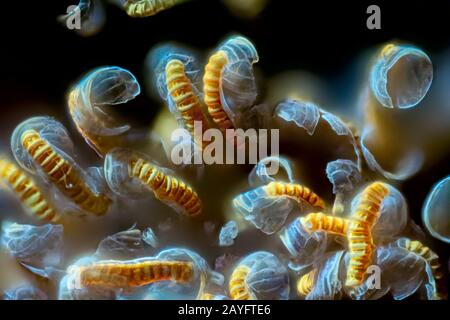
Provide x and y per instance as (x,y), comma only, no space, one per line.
(40,58)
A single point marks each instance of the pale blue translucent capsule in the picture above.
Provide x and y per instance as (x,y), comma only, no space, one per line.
(50,130)
(37,248)
(305,247)
(24,292)
(124,245)
(306,115)
(228,233)
(268,278)
(267,214)
(436,211)
(100,88)
(401,76)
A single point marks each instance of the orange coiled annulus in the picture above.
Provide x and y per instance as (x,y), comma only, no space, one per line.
(359,232)
(123,274)
(306,283)
(295,191)
(62,173)
(211,90)
(27,191)
(321,222)
(167,187)
(185,99)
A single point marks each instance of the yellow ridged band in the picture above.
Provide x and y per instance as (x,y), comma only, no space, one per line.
(61,173)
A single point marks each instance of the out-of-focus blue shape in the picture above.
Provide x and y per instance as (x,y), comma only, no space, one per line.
(228,233)
(122,245)
(436,211)
(401,76)
(268,278)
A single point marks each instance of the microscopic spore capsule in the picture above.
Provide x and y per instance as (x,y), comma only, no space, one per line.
(228,83)
(132,173)
(401,76)
(182,94)
(33,149)
(259,276)
(89,99)
(25,188)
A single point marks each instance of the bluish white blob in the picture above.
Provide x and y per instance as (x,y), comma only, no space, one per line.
(238,84)
(49,130)
(328,284)
(228,233)
(343,175)
(24,292)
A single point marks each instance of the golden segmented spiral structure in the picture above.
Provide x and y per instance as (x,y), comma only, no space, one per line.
(147,8)
(238,286)
(432,259)
(361,246)
(167,187)
(133,273)
(27,191)
(62,173)
(211,90)
(306,283)
(185,99)
(297,191)
(319,221)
